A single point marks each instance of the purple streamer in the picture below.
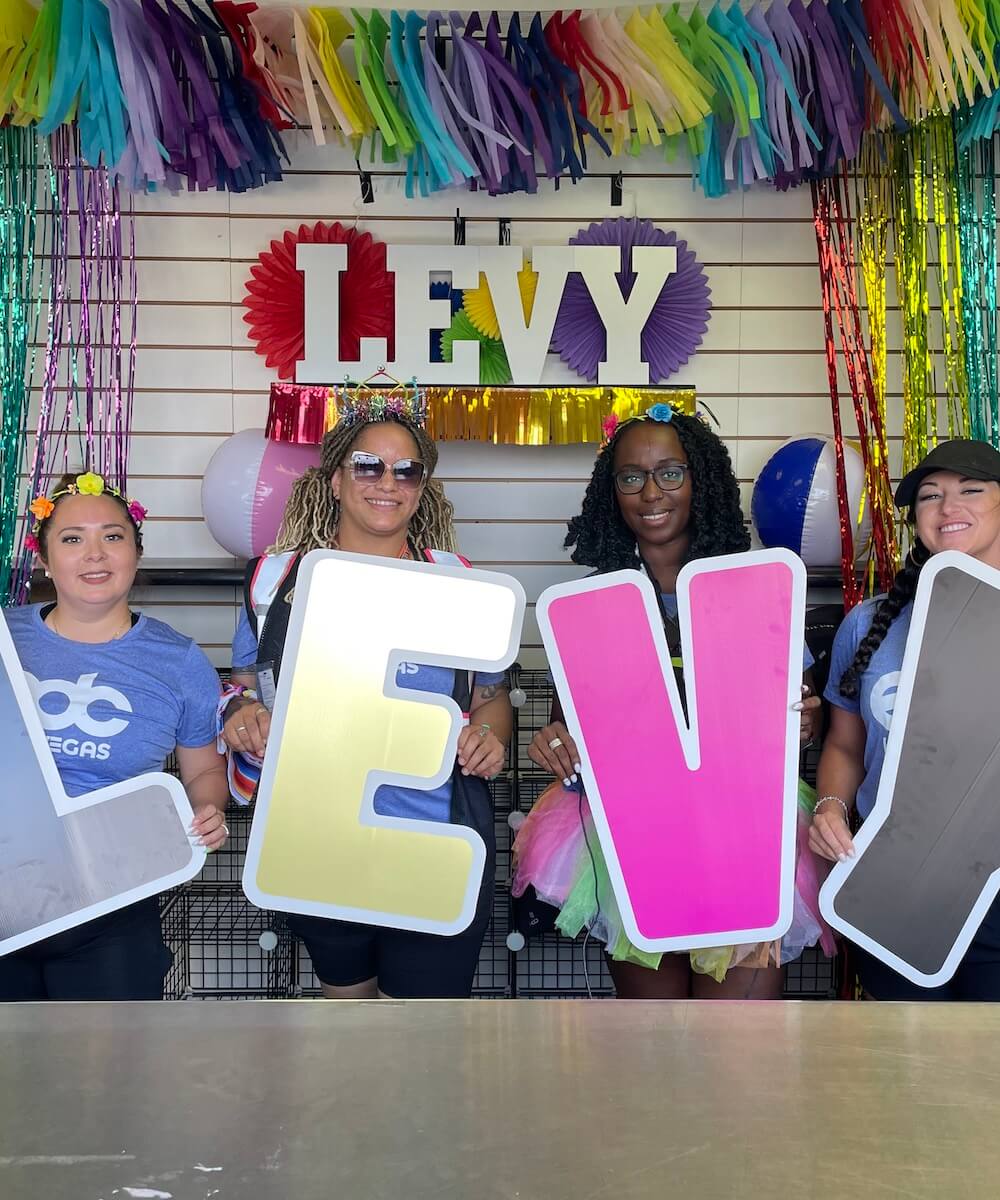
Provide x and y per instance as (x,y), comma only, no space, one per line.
(175,125)
(793,46)
(458,93)
(783,117)
(468,76)
(204,100)
(144,160)
(85,423)
(836,115)
(528,122)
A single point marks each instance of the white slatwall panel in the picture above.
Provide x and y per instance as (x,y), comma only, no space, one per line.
(761,368)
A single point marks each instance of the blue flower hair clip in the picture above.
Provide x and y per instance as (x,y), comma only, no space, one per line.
(660,412)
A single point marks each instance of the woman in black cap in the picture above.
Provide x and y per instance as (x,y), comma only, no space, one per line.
(953,503)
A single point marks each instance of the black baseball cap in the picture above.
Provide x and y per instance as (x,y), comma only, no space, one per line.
(974,460)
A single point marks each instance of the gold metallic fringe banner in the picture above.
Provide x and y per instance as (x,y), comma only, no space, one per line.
(514,416)
(943,153)
(874,207)
(920,171)
(907,171)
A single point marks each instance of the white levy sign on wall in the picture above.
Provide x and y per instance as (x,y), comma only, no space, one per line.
(526,341)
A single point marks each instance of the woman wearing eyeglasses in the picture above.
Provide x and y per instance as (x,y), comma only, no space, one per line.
(373,493)
(662,494)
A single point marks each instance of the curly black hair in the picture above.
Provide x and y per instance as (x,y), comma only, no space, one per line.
(599,536)
(903,589)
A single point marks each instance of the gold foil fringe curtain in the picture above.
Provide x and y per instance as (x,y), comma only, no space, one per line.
(926,222)
(917,173)
(911,187)
(517,416)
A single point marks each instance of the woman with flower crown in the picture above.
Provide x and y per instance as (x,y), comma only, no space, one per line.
(662,494)
(116,693)
(373,493)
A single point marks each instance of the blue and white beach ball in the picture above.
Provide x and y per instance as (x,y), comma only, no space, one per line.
(795,500)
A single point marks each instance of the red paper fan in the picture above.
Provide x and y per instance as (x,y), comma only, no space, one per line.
(275,299)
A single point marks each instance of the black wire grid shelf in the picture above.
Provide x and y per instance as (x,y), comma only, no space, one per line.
(225,948)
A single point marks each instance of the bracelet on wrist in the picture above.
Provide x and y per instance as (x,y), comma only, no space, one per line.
(824,799)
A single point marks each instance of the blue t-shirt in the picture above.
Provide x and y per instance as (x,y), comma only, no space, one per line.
(879,684)
(390,801)
(115,710)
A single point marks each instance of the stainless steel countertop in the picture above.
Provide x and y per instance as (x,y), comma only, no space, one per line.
(519,1100)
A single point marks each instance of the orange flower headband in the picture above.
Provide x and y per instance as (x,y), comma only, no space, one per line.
(88,484)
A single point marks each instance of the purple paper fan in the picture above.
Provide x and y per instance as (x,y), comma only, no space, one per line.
(676,325)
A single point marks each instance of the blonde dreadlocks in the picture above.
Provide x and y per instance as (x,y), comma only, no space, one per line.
(312,513)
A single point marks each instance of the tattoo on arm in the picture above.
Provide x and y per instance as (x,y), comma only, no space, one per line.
(489,692)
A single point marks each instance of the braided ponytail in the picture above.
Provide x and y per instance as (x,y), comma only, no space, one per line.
(311,514)
(890,606)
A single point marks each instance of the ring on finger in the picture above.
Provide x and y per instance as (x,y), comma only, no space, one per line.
(225,829)
(555,743)
(241,729)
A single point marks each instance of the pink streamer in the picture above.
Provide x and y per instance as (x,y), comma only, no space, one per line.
(84,423)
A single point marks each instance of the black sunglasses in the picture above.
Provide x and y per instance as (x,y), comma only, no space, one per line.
(369,468)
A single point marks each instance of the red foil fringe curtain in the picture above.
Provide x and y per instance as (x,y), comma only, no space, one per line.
(838,278)
(298,413)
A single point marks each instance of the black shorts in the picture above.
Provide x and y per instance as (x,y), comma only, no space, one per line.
(408,966)
(118,957)
(977,977)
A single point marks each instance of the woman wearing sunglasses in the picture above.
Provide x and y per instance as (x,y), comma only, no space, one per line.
(662,494)
(373,494)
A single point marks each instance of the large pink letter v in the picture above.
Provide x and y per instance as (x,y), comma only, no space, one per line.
(697,822)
